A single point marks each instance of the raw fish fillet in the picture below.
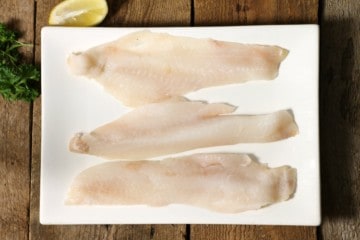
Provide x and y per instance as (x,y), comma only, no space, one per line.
(222,182)
(180,125)
(145,67)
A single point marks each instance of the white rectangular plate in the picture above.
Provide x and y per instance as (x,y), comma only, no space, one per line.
(71,104)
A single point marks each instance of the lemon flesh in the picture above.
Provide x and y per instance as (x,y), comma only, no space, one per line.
(80,13)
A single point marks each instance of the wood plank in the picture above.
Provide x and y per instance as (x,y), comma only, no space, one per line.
(14,136)
(148,13)
(121,13)
(248,232)
(340,119)
(242,12)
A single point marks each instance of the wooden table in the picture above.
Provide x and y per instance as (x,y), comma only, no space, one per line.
(20,123)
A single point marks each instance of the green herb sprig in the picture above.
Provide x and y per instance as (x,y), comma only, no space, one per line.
(18,80)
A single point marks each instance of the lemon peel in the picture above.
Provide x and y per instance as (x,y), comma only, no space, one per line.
(81,13)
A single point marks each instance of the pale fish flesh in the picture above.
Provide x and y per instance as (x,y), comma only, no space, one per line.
(145,67)
(180,125)
(222,182)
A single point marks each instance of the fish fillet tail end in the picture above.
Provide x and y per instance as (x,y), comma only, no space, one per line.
(291,131)
(287,126)
(75,195)
(288,186)
(283,54)
(78,145)
(79,63)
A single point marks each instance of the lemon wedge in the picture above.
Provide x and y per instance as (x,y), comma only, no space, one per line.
(79,13)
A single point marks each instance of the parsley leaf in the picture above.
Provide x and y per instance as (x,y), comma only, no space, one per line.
(18,80)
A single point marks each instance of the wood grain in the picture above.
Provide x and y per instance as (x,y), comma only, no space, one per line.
(139,13)
(14,162)
(242,12)
(223,232)
(122,13)
(245,12)
(340,119)
(15,137)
